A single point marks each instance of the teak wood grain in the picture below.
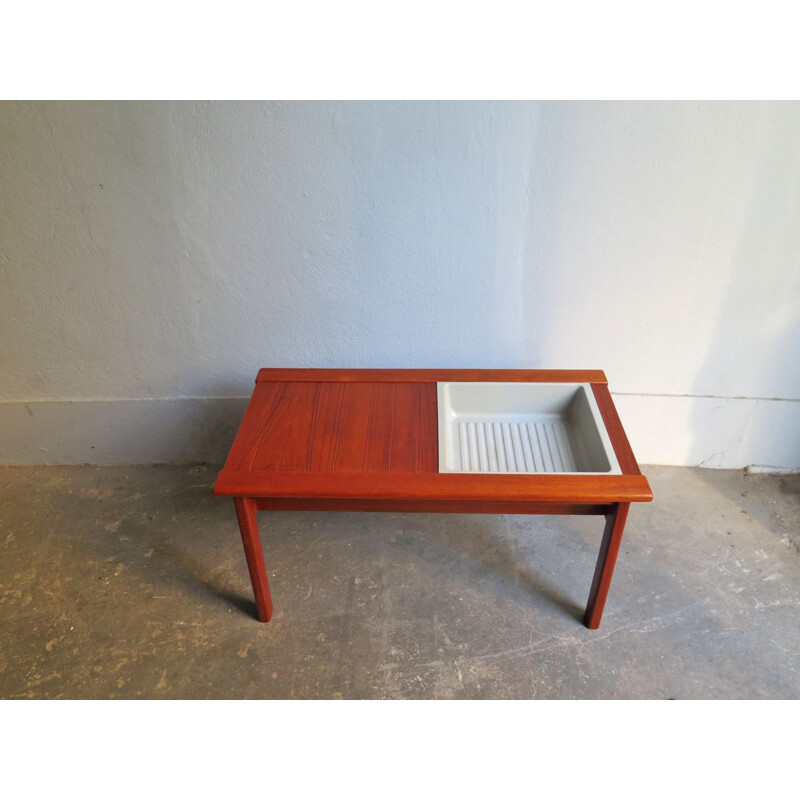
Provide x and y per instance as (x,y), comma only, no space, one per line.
(622,448)
(591,489)
(434,375)
(379,440)
(336,428)
(367,440)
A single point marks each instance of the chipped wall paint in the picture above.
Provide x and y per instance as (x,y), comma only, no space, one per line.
(155,255)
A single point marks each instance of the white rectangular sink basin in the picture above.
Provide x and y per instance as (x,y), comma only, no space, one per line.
(522,427)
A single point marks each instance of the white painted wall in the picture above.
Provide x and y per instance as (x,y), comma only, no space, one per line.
(151,252)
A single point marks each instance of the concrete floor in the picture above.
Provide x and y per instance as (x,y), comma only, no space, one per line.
(130,582)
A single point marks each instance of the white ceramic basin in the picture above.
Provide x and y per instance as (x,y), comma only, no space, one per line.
(522,427)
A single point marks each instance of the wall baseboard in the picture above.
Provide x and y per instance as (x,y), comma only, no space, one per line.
(671,430)
(169,431)
(722,433)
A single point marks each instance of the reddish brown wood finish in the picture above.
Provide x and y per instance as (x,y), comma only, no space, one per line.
(367,440)
(379,440)
(324,428)
(609,548)
(592,489)
(619,440)
(433,375)
(424,506)
(246,512)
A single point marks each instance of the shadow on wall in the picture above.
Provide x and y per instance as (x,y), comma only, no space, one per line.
(753,353)
(201,430)
(172,431)
(193,430)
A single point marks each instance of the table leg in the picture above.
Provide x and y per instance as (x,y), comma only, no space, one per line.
(246,512)
(612,537)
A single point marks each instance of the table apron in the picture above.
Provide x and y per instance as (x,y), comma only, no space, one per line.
(426,506)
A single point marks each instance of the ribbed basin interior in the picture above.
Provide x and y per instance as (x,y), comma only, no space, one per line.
(509,446)
(522,428)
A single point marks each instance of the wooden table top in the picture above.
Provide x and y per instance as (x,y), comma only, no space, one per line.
(371,436)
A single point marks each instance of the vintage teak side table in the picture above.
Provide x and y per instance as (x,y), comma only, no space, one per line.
(467,441)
